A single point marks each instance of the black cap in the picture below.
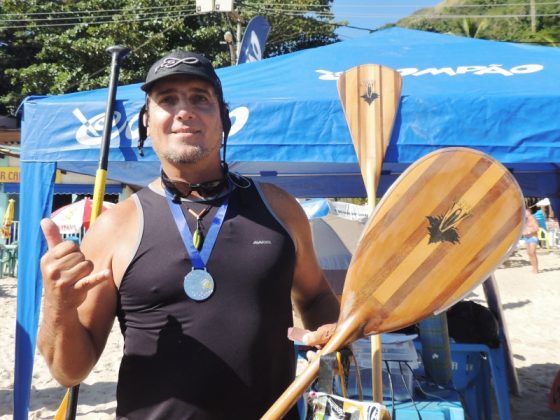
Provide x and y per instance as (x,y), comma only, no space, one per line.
(188,64)
(183,63)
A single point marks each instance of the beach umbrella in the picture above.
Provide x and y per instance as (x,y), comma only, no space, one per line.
(543,202)
(8,219)
(72,217)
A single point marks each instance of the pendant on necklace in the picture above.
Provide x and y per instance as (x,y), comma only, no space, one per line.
(198,239)
(198,285)
(198,235)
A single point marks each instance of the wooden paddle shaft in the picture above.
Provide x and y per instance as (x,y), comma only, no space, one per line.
(344,334)
(370,96)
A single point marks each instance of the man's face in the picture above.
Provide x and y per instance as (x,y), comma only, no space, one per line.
(183,120)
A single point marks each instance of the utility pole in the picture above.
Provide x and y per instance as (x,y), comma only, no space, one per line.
(238,47)
(228,37)
(533,11)
(234,44)
(225,6)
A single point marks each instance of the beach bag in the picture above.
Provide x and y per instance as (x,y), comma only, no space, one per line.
(324,404)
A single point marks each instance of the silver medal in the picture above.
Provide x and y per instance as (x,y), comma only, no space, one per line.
(198,285)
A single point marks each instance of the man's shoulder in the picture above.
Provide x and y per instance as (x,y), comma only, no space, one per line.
(113,220)
(274,191)
(277,197)
(284,205)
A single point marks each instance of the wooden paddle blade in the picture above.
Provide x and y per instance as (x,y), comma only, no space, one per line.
(442,227)
(370,96)
(440,230)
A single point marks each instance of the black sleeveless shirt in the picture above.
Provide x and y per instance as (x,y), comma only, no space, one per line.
(224,358)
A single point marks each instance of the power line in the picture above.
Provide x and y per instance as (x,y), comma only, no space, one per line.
(451,6)
(278,6)
(509,16)
(102,22)
(393,6)
(282,12)
(294,12)
(281,9)
(104,14)
(54,13)
(286,8)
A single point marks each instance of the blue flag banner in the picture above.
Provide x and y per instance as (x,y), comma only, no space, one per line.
(252,44)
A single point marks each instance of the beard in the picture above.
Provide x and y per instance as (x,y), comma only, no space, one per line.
(193,154)
(188,154)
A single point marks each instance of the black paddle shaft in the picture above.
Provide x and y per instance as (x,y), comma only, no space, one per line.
(118,53)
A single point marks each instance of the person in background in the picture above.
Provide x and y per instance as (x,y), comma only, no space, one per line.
(531,239)
(541,218)
(201,269)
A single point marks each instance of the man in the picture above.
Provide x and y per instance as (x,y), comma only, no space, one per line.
(204,317)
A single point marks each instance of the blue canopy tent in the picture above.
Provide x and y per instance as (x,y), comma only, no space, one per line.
(289,129)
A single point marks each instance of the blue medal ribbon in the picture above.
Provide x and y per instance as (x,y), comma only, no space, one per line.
(198,259)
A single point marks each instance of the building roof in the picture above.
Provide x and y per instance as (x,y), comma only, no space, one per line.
(10,141)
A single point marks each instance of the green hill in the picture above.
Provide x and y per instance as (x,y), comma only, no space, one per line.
(526,21)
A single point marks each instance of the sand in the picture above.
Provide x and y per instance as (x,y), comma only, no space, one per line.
(531,304)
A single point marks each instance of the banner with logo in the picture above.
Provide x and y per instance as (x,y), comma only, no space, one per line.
(254,40)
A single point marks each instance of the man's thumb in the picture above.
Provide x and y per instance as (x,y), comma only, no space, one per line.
(51,232)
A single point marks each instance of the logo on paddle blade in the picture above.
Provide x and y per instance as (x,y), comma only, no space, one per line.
(369,95)
(443,228)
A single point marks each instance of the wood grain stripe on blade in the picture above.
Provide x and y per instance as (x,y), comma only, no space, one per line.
(394,225)
(410,187)
(451,271)
(500,210)
(478,267)
(391,281)
(507,230)
(370,96)
(431,297)
(376,262)
(423,256)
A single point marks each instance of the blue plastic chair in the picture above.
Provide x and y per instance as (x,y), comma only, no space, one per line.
(8,260)
(4,260)
(494,373)
(477,369)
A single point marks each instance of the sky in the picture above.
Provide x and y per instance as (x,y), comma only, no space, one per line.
(374,13)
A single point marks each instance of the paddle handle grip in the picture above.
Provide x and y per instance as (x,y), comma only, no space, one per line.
(98,193)
(296,389)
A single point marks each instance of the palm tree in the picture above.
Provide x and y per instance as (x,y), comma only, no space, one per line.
(473,28)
